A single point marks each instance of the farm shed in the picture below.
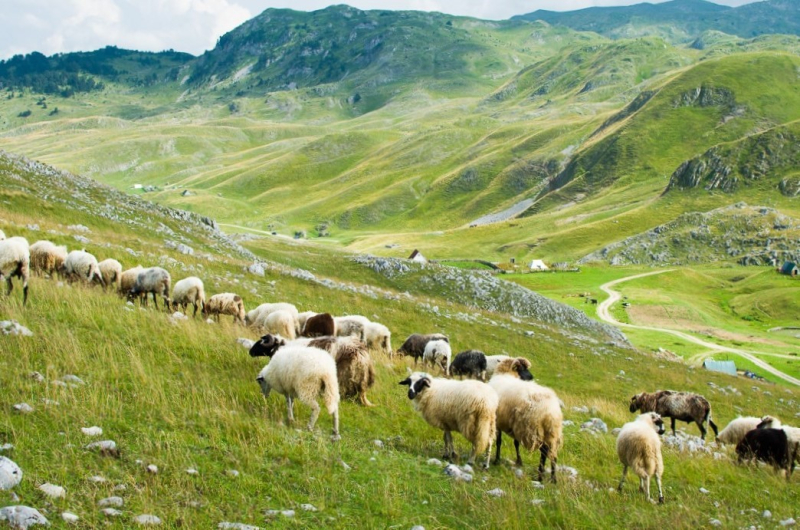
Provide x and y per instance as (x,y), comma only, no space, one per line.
(538,265)
(726,367)
(790,269)
(418,257)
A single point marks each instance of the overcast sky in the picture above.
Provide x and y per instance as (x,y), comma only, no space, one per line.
(52,26)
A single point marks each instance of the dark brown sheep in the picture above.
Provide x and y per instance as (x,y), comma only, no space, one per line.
(320,325)
(682,406)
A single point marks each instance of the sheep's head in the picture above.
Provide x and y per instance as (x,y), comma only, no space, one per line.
(655,420)
(769,422)
(416,382)
(518,367)
(267,346)
(636,402)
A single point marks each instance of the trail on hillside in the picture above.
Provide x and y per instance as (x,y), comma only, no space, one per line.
(613,296)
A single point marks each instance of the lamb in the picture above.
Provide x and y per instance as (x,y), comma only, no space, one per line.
(47,258)
(82,265)
(304,373)
(127,279)
(225,304)
(471,363)
(734,432)
(351,325)
(319,325)
(437,352)
(469,407)
(529,413)
(768,445)
(111,271)
(189,291)
(639,448)
(414,346)
(154,280)
(280,322)
(15,260)
(792,433)
(681,406)
(378,337)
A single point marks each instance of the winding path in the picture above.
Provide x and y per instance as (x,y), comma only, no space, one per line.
(613,296)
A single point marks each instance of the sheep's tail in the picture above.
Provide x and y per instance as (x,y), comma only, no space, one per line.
(330,392)
(711,423)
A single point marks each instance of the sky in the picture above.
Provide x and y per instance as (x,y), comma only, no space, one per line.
(193,26)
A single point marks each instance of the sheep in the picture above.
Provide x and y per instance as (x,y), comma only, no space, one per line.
(280,322)
(80,264)
(681,406)
(378,337)
(111,271)
(792,433)
(354,368)
(154,280)
(303,317)
(127,279)
(437,352)
(733,433)
(263,310)
(491,363)
(469,407)
(319,325)
(225,304)
(414,346)
(15,260)
(351,325)
(47,258)
(639,447)
(529,413)
(189,291)
(304,373)
(471,363)
(2,235)
(768,445)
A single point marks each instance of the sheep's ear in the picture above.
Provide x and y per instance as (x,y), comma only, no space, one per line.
(409,370)
(406,381)
(424,383)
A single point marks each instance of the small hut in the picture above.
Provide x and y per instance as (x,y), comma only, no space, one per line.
(789,269)
(726,367)
(538,265)
(418,257)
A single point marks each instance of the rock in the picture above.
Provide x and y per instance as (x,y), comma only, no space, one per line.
(22,517)
(466,468)
(767,514)
(192,471)
(581,410)
(344,465)
(92,431)
(236,526)
(210,321)
(715,522)
(788,522)
(36,376)
(6,447)
(537,502)
(497,492)
(596,425)
(518,472)
(23,408)
(257,269)
(571,472)
(72,379)
(97,479)
(78,228)
(70,517)
(12,327)
(105,448)
(114,502)
(308,508)
(378,444)
(246,343)
(152,468)
(147,520)
(53,491)
(418,527)
(452,470)
(704,491)
(10,474)
(177,315)
(287,513)
(434,462)
(111,512)
(232,473)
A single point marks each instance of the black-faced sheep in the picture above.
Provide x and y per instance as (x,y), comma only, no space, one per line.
(768,445)
(304,373)
(47,258)
(15,260)
(471,363)
(111,272)
(81,265)
(189,291)
(438,353)
(469,407)
(351,326)
(682,406)
(319,325)
(155,281)
(529,413)
(128,279)
(734,432)
(225,304)
(639,448)
(414,346)
(378,337)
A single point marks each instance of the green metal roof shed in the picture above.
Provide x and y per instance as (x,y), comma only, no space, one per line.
(726,367)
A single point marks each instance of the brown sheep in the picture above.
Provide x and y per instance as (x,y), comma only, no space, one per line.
(682,406)
(320,325)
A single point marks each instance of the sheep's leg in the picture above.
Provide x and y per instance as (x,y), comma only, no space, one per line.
(672,424)
(362,396)
(448,445)
(660,491)
(553,461)
(488,455)
(194,315)
(472,454)
(544,450)
(314,414)
(335,417)
(519,458)
(497,451)
(155,300)
(9,286)
(622,480)
(713,427)
(290,409)
(646,483)
(702,430)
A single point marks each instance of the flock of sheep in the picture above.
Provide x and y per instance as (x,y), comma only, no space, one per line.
(316,355)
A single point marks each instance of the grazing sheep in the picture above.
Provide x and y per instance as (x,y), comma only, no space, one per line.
(47,258)
(304,373)
(351,325)
(15,260)
(281,323)
(2,235)
(681,406)
(111,271)
(734,432)
(225,304)
(529,413)
(259,313)
(491,363)
(127,279)
(155,281)
(378,337)
(768,445)
(82,265)
(792,433)
(471,363)
(414,346)
(303,317)
(639,448)
(319,325)
(437,352)
(469,407)
(189,291)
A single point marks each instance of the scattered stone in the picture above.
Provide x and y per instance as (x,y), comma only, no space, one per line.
(308,507)
(115,502)
(246,343)
(466,468)
(344,465)
(567,423)
(538,485)
(152,468)
(111,512)
(6,447)
(434,462)
(72,379)
(232,473)
(105,448)
(50,402)
(518,472)
(23,408)
(120,487)
(767,514)
(12,327)
(22,517)
(287,513)
(236,526)
(53,491)
(570,472)
(788,522)
(36,376)
(497,492)
(452,470)
(192,471)
(70,517)
(92,431)
(78,228)
(704,491)
(418,527)
(177,315)
(378,444)
(210,321)
(10,474)
(581,410)
(715,522)
(537,502)
(257,269)
(147,520)
(97,479)
(596,425)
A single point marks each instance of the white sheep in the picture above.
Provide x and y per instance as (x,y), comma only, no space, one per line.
(491,363)
(189,291)
(438,353)
(253,316)
(378,337)
(155,281)
(639,447)
(469,407)
(82,265)
(2,235)
(734,432)
(304,373)
(128,279)
(529,413)
(351,326)
(47,258)
(225,304)
(15,260)
(111,271)
(279,322)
